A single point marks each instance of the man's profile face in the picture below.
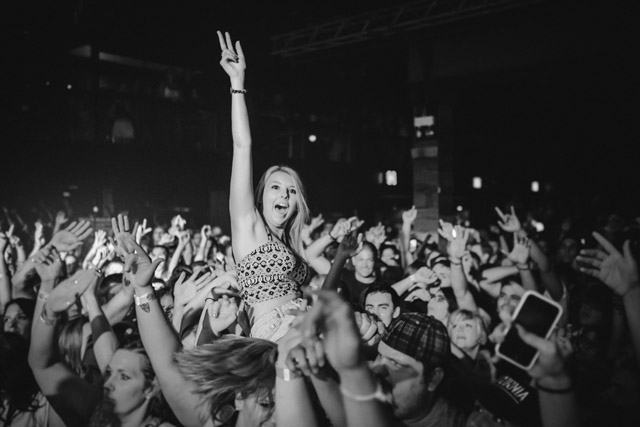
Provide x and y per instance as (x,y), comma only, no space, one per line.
(405,376)
(381,305)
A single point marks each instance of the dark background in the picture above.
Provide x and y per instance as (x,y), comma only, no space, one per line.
(564,115)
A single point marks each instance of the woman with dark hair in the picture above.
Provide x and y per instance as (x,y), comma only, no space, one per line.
(21,402)
(17,316)
(266,226)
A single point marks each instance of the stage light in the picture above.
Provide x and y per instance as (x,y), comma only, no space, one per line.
(391,178)
(313,138)
(477,182)
(459,208)
(535,186)
(69,87)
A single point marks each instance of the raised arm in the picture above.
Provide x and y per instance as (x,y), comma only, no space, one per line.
(619,271)
(456,249)
(158,338)
(408,218)
(519,255)
(244,216)
(314,252)
(72,398)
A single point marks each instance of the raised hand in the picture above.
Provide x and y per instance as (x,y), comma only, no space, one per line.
(138,268)
(316,222)
(350,245)
(521,250)
(71,237)
(185,290)
(446,230)
(340,229)
(409,216)
(61,218)
(333,318)
(458,243)
(509,222)
(100,239)
(48,264)
(550,368)
(376,235)
(38,235)
(68,291)
(142,231)
(205,232)
(233,61)
(617,270)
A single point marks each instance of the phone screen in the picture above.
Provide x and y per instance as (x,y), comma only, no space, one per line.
(538,316)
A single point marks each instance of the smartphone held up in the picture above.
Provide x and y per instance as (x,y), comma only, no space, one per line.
(538,315)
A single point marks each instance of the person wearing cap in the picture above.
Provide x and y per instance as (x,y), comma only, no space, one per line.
(412,358)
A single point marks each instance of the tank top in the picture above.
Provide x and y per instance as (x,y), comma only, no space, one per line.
(270,271)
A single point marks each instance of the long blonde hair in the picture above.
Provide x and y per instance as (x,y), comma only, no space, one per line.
(293,227)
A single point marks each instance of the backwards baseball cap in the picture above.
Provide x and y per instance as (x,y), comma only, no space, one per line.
(420,336)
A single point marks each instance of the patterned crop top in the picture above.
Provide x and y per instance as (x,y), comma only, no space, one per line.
(270,271)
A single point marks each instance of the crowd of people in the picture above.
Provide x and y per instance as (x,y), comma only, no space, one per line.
(294,320)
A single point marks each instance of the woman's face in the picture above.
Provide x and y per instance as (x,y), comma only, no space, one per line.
(364,262)
(438,307)
(280,199)
(256,410)
(465,334)
(16,321)
(125,386)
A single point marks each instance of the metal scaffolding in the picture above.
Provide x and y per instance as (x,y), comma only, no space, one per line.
(384,22)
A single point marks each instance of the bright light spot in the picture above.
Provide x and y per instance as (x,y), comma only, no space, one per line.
(313,138)
(537,225)
(391,178)
(459,208)
(95,209)
(66,194)
(535,186)
(69,87)
(423,121)
(477,182)
(453,233)
(418,133)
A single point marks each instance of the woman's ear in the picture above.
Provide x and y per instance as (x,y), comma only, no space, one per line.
(152,390)
(239,402)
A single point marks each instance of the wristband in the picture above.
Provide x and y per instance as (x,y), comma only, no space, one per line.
(287,374)
(454,262)
(565,390)
(44,318)
(521,267)
(333,238)
(234,91)
(143,300)
(377,395)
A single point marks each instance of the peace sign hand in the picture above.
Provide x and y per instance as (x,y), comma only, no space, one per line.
(232,62)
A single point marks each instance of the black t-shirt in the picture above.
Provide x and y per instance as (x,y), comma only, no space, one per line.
(355,288)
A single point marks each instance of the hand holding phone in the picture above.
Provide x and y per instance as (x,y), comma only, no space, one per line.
(538,315)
